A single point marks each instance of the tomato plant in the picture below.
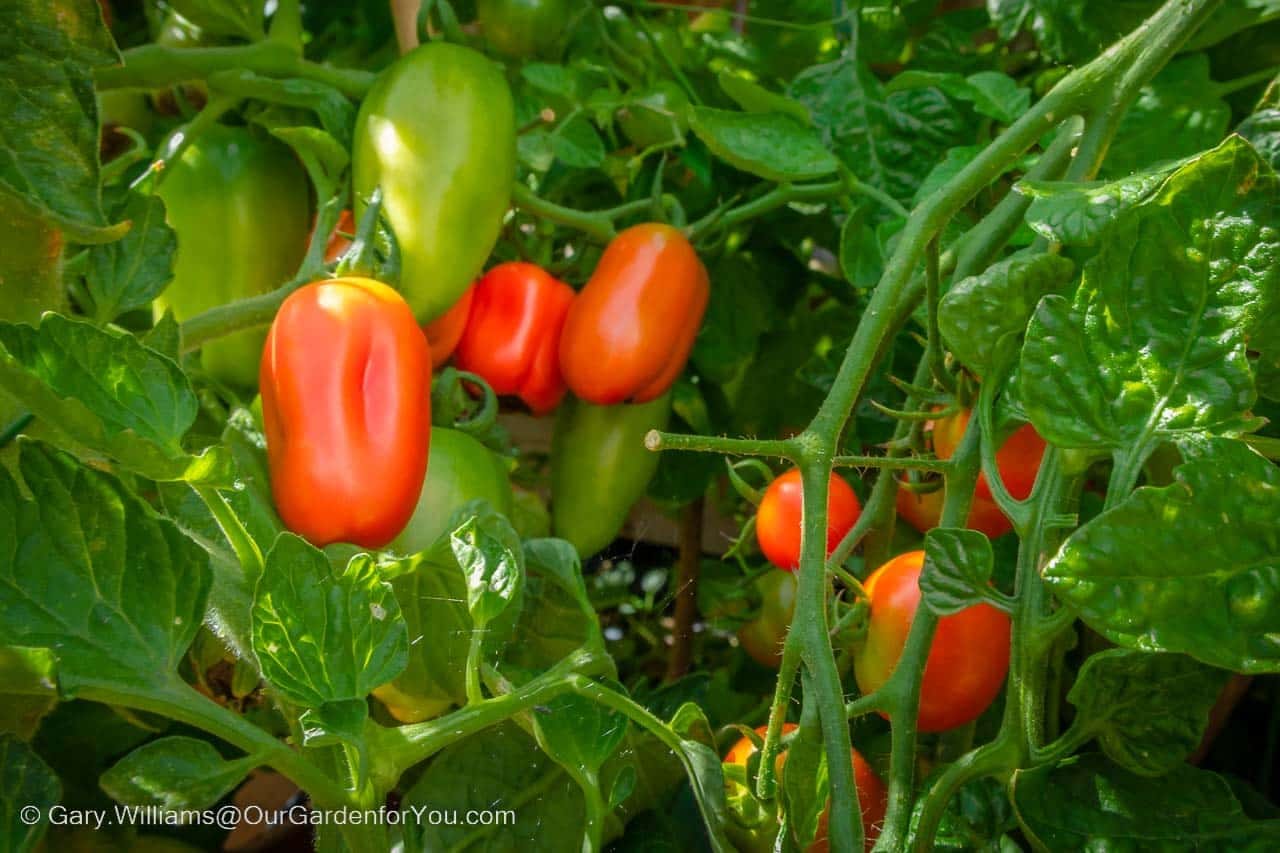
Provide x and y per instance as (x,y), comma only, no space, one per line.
(391,395)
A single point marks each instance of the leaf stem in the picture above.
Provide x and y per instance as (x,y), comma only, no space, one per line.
(657,440)
(155,66)
(15,427)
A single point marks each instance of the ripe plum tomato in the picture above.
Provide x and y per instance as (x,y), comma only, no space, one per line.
(967,661)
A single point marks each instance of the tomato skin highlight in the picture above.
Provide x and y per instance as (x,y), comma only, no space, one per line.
(437,134)
(346,407)
(778,520)
(967,662)
(459,469)
(631,328)
(600,468)
(239,203)
(512,337)
(762,638)
(873,796)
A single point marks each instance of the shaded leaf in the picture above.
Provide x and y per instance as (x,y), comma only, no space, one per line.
(25,782)
(773,146)
(174,773)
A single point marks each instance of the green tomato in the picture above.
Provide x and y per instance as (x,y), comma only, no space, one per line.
(656,116)
(459,469)
(437,134)
(523,29)
(762,637)
(239,202)
(600,468)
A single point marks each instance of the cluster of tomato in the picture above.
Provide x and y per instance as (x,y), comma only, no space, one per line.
(969,655)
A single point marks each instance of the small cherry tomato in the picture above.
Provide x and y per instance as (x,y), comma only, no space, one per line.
(967,661)
(778,521)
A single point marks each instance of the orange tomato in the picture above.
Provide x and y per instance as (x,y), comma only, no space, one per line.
(922,512)
(346,407)
(1018,458)
(512,337)
(444,332)
(630,330)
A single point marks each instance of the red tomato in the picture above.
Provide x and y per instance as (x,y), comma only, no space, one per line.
(967,662)
(512,337)
(630,331)
(778,522)
(444,332)
(872,794)
(1018,458)
(922,512)
(346,407)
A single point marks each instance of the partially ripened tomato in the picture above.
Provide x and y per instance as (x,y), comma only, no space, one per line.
(872,794)
(967,662)
(1018,457)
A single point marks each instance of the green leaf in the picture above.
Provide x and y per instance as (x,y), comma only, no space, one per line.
(1077,214)
(336,113)
(890,140)
(702,764)
(1068,30)
(579,733)
(1190,589)
(106,391)
(552,79)
(1155,343)
(804,789)
(576,143)
(324,157)
(980,310)
(240,18)
(957,569)
(754,98)
(25,782)
(92,572)
(503,769)
(992,93)
(1148,711)
(1177,114)
(165,337)
(324,637)
(28,689)
(1262,129)
(1087,803)
(492,560)
(335,722)
(49,156)
(128,273)
(174,773)
(773,146)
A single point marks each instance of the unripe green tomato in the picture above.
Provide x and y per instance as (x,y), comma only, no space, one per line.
(459,469)
(437,134)
(523,29)
(600,467)
(239,202)
(656,116)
